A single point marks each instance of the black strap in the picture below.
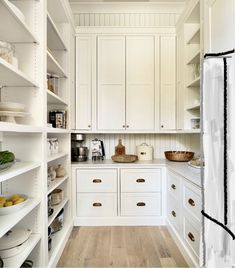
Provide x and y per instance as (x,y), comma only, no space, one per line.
(219,54)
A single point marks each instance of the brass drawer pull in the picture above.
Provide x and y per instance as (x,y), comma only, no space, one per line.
(191,202)
(173,213)
(97,181)
(140,180)
(97,205)
(191,237)
(141,204)
(173,186)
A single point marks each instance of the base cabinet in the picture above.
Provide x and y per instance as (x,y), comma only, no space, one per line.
(184,212)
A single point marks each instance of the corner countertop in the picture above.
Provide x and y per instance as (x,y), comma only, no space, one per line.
(182,169)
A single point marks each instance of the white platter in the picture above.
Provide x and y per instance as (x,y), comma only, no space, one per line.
(10,116)
(12,107)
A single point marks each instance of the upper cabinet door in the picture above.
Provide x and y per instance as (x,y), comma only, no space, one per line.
(111,83)
(168,82)
(83,83)
(140,82)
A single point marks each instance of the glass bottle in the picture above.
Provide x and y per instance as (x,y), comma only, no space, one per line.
(120,149)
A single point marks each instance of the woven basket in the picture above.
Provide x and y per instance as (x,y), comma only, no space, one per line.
(126,158)
(56,197)
(179,156)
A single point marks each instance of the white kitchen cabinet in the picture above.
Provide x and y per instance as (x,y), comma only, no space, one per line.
(111,83)
(140,82)
(168,81)
(83,83)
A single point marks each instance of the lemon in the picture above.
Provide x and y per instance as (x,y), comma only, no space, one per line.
(8,204)
(18,201)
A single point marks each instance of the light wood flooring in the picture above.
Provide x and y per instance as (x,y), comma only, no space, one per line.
(121,247)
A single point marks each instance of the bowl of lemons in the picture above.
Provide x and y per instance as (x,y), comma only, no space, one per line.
(12,204)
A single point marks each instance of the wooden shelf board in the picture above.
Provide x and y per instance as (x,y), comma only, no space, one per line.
(194,15)
(53,67)
(9,221)
(58,14)
(194,107)
(195,83)
(57,209)
(17,169)
(195,38)
(13,77)
(12,127)
(59,241)
(56,183)
(56,156)
(18,259)
(195,58)
(58,130)
(54,38)
(52,98)
(14,29)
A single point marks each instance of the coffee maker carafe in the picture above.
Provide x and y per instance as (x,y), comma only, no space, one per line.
(79,152)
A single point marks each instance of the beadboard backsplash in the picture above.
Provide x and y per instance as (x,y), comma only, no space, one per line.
(160,142)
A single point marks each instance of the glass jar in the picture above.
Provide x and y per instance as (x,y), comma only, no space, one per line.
(6,51)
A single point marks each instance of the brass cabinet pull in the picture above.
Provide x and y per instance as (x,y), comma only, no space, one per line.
(173,186)
(173,213)
(140,180)
(97,181)
(141,204)
(191,202)
(191,237)
(97,205)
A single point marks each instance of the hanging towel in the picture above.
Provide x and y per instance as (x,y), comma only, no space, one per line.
(216,247)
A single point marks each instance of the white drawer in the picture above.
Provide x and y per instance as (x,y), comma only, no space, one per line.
(140,180)
(192,200)
(141,204)
(173,185)
(192,235)
(96,205)
(97,180)
(173,212)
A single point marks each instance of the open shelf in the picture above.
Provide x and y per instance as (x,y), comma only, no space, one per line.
(195,58)
(18,259)
(58,14)
(17,169)
(12,77)
(56,183)
(194,107)
(194,83)
(53,67)
(12,28)
(9,221)
(195,38)
(58,243)
(54,38)
(56,156)
(194,14)
(12,127)
(57,130)
(52,98)
(57,209)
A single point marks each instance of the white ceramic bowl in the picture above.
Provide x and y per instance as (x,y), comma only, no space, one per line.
(12,107)
(14,208)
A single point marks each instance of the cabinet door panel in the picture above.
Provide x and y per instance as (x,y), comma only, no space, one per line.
(83,83)
(168,82)
(140,82)
(111,83)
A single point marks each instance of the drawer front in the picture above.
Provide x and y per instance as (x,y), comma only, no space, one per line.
(173,212)
(140,180)
(173,185)
(96,205)
(192,235)
(97,180)
(192,201)
(141,204)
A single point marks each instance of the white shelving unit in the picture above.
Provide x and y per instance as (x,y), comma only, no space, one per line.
(27,138)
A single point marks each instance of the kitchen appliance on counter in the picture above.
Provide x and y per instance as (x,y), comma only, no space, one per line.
(97,150)
(79,153)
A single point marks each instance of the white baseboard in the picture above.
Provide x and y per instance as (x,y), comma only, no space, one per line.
(190,258)
(119,221)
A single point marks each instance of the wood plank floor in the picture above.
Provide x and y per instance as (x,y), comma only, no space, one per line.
(121,247)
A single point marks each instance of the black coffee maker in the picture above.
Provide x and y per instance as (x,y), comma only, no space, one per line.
(79,153)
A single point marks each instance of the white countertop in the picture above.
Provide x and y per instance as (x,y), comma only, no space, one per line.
(183,169)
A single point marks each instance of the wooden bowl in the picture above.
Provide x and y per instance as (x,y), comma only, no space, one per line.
(126,158)
(179,156)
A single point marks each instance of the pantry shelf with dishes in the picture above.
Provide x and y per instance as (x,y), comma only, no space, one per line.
(94,153)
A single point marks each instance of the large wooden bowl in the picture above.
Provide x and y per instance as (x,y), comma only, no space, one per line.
(179,156)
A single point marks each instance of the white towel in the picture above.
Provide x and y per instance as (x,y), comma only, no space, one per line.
(216,238)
